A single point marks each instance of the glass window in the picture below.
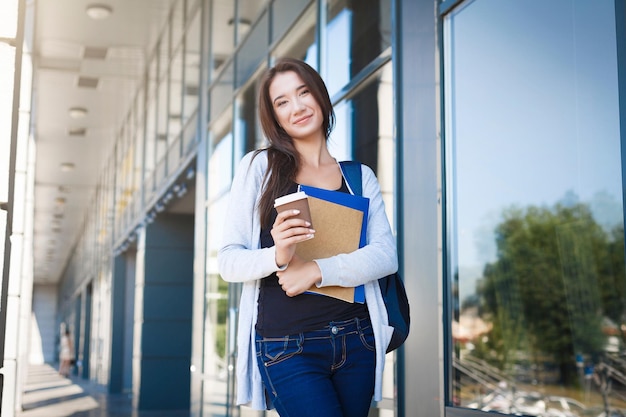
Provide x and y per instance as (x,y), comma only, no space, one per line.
(357,32)
(162,119)
(300,41)
(222,35)
(247,130)
(139,114)
(192,7)
(222,92)
(192,67)
(151,123)
(284,13)
(218,358)
(178,24)
(123,162)
(163,51)
(248,12)
(535,213)
(176,96)
(253,50)
(364,132)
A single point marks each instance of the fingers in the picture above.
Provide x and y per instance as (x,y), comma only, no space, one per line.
(289,215)
(298,277)
(291,229)
(291,291)
(287,231)
(295,234)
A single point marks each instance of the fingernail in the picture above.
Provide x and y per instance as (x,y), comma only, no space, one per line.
(296,211)
(312,230)
(307,224)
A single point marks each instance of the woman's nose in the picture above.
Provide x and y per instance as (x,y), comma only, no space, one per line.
(298,104)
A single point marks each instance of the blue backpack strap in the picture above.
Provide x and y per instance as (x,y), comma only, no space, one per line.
(352,172)
(391,287)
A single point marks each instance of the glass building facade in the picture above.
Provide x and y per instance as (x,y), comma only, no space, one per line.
(494,127)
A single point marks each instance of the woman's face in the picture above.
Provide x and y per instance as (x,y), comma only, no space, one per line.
(296,110)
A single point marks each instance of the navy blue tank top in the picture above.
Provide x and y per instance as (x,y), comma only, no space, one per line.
(280,315)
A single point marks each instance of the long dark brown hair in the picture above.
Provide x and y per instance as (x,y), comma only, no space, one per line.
(283,158)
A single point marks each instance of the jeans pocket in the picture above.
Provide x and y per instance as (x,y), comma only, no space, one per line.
(277,350)
(367,338)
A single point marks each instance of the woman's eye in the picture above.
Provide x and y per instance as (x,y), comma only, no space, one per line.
(304,92)
(281,103)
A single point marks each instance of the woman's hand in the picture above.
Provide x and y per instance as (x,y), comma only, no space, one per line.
(299,276)
(287,231)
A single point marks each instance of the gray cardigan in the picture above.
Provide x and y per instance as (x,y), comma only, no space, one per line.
(241,259)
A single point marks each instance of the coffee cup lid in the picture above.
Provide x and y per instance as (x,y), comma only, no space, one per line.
(289,198)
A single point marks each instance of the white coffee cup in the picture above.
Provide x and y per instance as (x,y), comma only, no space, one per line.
(295,201)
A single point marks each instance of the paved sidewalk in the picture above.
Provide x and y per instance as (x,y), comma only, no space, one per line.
(48,394)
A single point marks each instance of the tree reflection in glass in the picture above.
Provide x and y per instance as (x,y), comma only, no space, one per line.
(535,216)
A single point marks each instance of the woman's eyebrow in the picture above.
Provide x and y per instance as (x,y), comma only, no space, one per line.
(278,97)
(283,95)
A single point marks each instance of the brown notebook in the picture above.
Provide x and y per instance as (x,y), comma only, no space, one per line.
(337,230)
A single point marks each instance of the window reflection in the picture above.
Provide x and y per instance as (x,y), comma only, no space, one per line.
(138,128)
(248,13)
(248,130)
(177,23)
(175,96)
(221,93)
(284,13)
(222,35)
(216,361)
(536,222)
(191,76)
(151,132)
(299,42)
(365,134)
(357,33)
(253,50)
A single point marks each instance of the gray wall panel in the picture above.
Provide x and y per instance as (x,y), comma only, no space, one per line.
(417,84)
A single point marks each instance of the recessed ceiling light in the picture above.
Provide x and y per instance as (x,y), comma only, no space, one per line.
(77,131)
(99,11)
(87,82)
(67,166)
(242,22)
(77,112)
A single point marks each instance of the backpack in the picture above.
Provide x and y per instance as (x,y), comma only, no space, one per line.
(391,286)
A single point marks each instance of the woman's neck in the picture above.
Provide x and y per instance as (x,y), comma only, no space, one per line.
(319,169)
(313,154)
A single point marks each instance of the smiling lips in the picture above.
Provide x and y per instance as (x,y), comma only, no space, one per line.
(302,119)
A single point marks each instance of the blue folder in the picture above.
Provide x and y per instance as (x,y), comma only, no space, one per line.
(355,202)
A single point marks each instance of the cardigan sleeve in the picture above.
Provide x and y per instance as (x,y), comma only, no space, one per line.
(377,258)
(240,257)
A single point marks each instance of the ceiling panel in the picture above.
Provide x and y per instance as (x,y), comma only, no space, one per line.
(63,34)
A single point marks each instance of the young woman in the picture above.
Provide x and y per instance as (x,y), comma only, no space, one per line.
(310,355)
(65,354)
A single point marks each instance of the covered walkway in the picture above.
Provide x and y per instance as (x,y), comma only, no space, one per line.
(47,394)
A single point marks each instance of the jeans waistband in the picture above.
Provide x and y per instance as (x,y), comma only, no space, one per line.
(333,329)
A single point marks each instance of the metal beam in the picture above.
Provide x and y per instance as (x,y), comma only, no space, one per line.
(18,43)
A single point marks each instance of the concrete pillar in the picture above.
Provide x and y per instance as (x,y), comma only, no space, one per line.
(163,311)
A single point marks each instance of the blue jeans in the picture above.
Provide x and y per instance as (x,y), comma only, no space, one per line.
(328,372)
